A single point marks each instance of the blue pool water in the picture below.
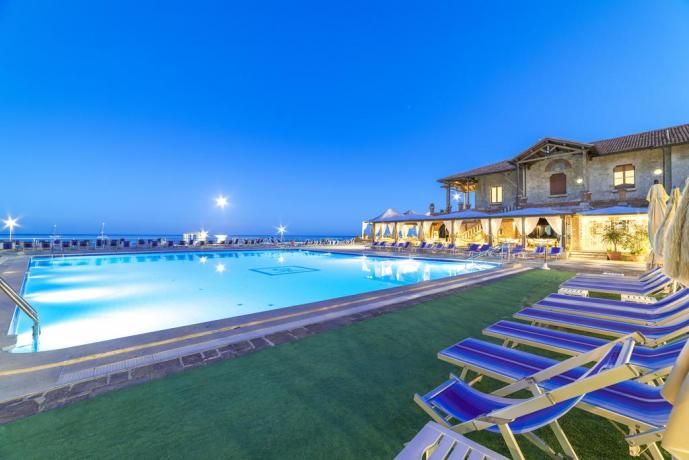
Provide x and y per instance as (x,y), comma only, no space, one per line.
(86,299)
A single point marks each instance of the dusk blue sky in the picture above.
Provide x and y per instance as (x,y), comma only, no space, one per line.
(312,114)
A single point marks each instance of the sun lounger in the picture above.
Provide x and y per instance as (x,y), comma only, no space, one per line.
(557,387)
(654,284)
(555,252)
(517,250)
(679,297)
(538,251)
(653,335)
(513,333)
(473,247)
(627,314)
(636,406)
(618,276)
(437,442)
(480,250)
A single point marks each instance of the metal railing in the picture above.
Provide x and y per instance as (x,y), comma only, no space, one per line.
(23,306)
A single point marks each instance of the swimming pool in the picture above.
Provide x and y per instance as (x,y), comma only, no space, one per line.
(87,299)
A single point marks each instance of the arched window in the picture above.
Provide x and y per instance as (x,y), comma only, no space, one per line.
(558,184)
(623,176)
(558,165)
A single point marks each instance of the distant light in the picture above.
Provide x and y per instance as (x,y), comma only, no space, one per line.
(203,235)
(203,259)
(580,180)
(456,196)
(220,268)
(10,223)
(657,172)
(221,201)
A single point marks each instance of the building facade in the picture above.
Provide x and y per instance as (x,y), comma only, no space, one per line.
(586,185)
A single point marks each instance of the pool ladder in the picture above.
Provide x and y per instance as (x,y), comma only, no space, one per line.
(23,306)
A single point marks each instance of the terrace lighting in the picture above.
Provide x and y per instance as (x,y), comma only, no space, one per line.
(281,231)
(220,268)
(657,172)
(580,180)
(10,223)
(221,201)
(456,196)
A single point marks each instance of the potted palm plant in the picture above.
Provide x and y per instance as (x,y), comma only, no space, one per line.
(613,236)
(637,243)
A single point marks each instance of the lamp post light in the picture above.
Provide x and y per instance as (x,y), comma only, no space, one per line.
(221,201)
(10,223)
(281,231)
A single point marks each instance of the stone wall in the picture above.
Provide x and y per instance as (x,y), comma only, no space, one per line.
(601,173)
(680,165)
(508,181)
(538,180)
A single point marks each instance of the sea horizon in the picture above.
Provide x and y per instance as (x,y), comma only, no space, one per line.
(167,235)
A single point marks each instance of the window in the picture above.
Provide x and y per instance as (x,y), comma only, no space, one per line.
(558,184)
(496,194)
(623,176)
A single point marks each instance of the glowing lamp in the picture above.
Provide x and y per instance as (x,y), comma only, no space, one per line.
(10,223)
(221,201)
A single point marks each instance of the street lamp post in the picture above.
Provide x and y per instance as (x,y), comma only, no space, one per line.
(10,223)
(281,231)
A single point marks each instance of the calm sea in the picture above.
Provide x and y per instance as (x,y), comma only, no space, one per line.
(153,236)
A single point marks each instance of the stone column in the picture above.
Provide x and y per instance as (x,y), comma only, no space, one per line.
(667,168)
(585,171)
(448,198)
(524,232)
(490,231)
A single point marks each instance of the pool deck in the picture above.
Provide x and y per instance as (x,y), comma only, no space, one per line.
(36,382)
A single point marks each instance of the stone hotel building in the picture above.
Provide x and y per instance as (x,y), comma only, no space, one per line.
(556,192)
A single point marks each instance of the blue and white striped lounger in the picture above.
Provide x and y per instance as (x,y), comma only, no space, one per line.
(611,286)
(653,335)
(554,300)
(646,316)
(568,343)
(630,403)
(643,277)
(435,441)
(463,408)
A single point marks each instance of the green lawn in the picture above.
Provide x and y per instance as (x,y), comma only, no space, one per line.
(345,393)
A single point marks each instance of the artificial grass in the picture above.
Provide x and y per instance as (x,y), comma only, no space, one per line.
(346,393)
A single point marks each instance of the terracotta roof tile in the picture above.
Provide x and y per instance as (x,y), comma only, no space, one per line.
(649,139)
(646,140)
(500,166)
